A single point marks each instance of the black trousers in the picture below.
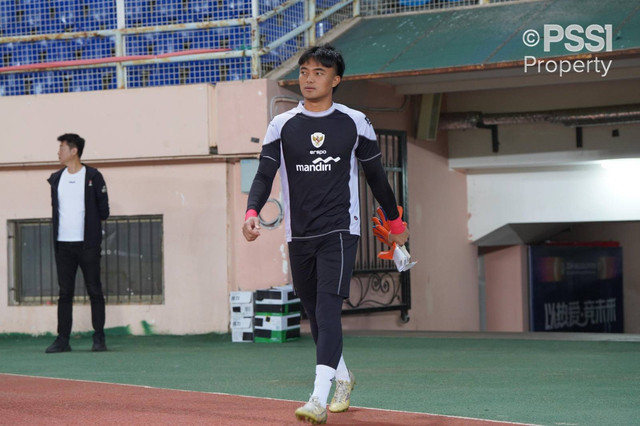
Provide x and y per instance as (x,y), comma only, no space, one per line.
(70,256)
(321,269)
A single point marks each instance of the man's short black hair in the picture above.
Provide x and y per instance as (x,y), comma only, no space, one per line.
(74,141)
(327,55)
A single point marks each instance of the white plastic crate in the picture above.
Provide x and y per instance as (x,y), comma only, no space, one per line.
(279,295)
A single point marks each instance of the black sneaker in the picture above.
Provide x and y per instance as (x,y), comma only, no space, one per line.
(99,344)
(59,345)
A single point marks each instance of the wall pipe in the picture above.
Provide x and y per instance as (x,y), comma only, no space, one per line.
(577,117)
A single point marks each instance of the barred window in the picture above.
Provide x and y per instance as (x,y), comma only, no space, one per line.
(131,264)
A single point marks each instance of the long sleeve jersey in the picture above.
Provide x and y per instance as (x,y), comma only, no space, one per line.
(317,154)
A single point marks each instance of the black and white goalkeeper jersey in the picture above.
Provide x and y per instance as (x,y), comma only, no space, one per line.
(316,154)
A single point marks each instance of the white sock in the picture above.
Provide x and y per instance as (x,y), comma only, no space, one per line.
(342,373)
(322,384)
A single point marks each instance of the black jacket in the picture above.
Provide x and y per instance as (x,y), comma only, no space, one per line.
(96,204)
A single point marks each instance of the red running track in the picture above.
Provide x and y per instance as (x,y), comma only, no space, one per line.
(26,400)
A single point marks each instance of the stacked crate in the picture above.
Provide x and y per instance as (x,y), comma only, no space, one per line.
(241,303)
(277,316)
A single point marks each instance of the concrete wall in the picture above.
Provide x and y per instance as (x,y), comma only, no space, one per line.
(584,194)
(506,289)
(153,147)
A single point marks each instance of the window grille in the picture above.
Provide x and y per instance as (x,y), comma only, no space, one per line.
(376,284)
(131,264)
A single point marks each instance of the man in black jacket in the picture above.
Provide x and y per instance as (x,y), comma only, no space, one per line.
(79,202)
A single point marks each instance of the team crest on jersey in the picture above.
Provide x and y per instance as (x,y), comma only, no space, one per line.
(317,139)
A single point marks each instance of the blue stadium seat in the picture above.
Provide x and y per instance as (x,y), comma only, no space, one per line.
(141,44)
(40,51)
(168,42)
(29,83)
(59,50)
(201,10)
(166,74)
(34,16)
(201,39)
(237,9)
(139,76)
(99,47)
(271,31)
(413,2)
(7,55)
(76,81)
(240,69)
(68,15)
(184,40)
(24,54)
(267,5)
(8,23)
(109,80)
(11,85)
(45,82)
(100,15)
(235,38)
(66,81)
(294,16)
(135,13)
(169,12)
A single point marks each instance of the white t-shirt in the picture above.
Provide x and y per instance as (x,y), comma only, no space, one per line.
(71,205)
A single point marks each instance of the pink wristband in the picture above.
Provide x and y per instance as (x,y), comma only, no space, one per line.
(396,225)
(250,213)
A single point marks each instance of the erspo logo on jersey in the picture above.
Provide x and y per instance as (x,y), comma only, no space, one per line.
(319,164)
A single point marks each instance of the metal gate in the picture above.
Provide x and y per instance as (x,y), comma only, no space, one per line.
(376,285)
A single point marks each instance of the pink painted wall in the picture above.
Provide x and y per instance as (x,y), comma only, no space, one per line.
(261,263)
(241,112)
(506,288)
(191,198)
(444,284)
(117,124)
(153,146)
(265,262)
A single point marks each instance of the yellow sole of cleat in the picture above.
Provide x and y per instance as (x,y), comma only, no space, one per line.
(305,419)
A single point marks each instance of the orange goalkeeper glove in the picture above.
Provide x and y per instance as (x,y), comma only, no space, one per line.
(381,230)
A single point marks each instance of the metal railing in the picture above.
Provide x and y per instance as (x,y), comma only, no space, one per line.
(106,44)
(80,45)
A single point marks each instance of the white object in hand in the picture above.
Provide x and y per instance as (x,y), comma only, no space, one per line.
(402,258)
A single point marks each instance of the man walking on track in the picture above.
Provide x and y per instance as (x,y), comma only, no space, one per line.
(315,146)
(79,202)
